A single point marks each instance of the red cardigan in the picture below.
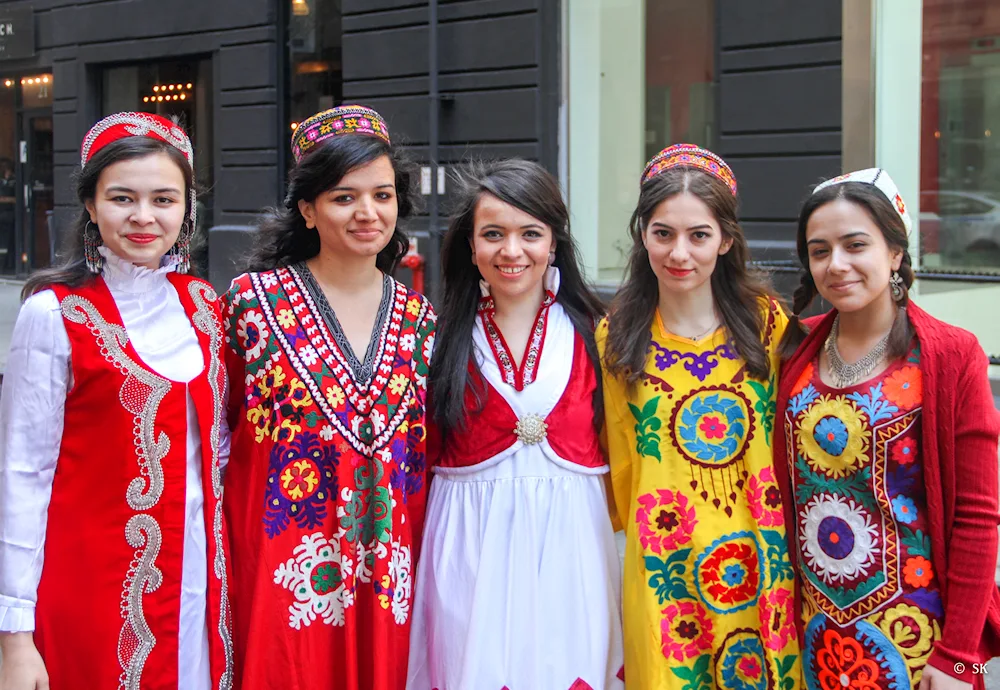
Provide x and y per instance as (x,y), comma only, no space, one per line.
(959,434)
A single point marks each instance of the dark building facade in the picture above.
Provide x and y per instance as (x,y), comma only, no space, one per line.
(241,75)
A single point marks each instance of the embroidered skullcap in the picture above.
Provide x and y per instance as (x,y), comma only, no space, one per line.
(124,125)
(880,180)
(339,121)
(690,156)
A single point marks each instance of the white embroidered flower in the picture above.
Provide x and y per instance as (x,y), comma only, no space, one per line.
(385,455)
(838,538)
(307,353)
(429,348)
(268,279)
(363,571)
(253,333)
(378,421)
(326,433)
(314,577)
(408,342)
(399,571)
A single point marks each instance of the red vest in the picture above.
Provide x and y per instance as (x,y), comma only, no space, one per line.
(570,431)
(108,608)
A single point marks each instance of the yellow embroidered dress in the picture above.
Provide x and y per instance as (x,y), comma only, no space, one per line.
(707,581)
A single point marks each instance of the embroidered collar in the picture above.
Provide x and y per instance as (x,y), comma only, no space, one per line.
(125,276)
(526,374)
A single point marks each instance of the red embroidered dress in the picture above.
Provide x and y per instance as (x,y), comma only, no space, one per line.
(110,592)
(872,608)
(326,486)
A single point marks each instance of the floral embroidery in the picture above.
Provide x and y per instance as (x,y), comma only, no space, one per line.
(315,576)
(685,630)
(712,426)
(764,499)
(727,573)
(838,537)
(766,406)
(301,480)
(699,365)
(904,509)
(904,451)
(647,441)
(873,405)
(777,618)
(831,425)
(912,632)
(843,664)
(254,334)
(665,520)
(804,378)
(741,664)
(918,572)
(903,387)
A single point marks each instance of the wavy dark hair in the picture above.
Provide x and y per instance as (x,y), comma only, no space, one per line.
(71,270)
(738,290)
(882,213)
(529,187)
(283,238)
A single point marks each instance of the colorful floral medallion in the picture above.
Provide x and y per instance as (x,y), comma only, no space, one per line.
(872,605)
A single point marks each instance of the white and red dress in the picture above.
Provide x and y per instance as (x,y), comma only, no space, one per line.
(519,579)
(112,434)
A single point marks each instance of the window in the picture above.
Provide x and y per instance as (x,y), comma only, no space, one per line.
(314,40)
(960,137)
(636,84)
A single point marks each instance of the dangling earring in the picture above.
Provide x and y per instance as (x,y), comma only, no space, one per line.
(182,249)
(552,258)
(896,287)
(91,241)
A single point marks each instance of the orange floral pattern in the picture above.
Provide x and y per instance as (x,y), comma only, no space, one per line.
(903,387)
(918,571)
(842,664)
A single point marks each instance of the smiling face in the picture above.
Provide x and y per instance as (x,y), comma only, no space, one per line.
(684,242)
(511,249)
(139,207)
(849,259)
(357,217)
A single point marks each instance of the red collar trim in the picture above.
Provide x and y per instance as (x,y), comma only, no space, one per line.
(526,374)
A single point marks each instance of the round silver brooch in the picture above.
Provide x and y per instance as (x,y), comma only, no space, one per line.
(531,429)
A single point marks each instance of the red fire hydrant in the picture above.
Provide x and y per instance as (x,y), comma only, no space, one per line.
(415,262)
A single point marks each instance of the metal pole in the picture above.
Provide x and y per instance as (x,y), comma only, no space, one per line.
(434,101)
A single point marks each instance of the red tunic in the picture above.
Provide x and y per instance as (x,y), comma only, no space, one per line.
(109,597)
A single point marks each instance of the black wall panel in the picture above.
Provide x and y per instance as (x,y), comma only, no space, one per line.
(779,109)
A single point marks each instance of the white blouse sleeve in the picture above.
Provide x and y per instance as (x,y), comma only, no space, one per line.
(31,426)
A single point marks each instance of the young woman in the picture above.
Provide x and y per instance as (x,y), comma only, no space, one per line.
(518,584)
(887,455)
(328,358)
(113,566)
(690,355)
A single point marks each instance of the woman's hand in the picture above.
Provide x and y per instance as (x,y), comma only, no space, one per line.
(932,679)
(21,666)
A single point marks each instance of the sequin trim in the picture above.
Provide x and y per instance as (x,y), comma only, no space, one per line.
(518,378)
(690,156)
(136,640)
(206,321)
(340,121)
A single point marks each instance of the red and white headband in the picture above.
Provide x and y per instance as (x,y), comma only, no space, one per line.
(124,125)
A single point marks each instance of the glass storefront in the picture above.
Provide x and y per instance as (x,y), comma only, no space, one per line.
(636,85)
(960,137)
(314,40)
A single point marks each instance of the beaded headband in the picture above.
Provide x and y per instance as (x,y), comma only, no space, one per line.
(880,180)
(344,119)
(690,156)
(124,125)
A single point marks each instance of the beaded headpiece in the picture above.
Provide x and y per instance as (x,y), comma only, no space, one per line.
(344,119)
(690,156)
(124,125)
(880,180)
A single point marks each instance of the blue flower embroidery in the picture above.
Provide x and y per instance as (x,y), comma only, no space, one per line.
(734,574)
(904,509)
(831,435)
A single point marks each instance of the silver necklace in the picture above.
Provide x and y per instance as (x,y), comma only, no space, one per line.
(844,374)
(715,326)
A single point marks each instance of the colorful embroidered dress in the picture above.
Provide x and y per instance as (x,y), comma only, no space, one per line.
(871,606)
(708,585)
(327,483)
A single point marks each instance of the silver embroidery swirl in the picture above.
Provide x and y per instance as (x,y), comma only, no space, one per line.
(136,640)
(205,320)
(141,394)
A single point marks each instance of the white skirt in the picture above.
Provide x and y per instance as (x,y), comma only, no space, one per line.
(519,580)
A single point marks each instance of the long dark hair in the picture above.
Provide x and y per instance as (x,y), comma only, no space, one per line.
(283,238)
(881,211)
(530,188)
(739,292)
(72,268)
